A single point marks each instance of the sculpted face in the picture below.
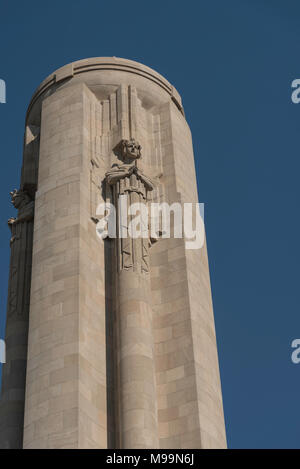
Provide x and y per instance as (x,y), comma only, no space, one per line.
(132,149)
(18,198)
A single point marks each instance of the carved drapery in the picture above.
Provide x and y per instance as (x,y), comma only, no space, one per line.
(126,179)
(21,254)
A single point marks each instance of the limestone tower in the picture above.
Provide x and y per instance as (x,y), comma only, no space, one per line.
(110,342)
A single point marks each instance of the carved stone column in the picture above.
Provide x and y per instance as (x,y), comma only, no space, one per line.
(137,412)
(14,371)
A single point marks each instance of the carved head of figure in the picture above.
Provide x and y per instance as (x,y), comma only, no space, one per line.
(19,198)
(131,149)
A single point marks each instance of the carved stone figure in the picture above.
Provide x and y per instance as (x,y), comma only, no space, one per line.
(18,300)
(21,229)
(22,201)
(120,171)
(130,149)
(127,178)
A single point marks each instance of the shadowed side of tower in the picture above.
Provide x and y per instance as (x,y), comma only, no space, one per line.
(121,344)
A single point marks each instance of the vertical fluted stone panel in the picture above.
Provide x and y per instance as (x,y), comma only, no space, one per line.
(137,405)
(136,388)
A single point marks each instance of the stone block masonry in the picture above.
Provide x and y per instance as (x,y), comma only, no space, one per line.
(110,344)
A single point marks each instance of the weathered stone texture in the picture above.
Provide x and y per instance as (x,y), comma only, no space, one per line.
(120,353)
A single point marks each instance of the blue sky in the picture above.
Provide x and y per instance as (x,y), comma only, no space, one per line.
(233,63)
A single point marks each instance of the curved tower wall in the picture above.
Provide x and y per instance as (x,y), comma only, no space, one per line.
(92,328)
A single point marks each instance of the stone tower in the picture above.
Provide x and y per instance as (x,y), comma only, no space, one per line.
(110,343)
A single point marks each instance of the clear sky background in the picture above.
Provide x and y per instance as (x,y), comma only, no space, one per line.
(233,63)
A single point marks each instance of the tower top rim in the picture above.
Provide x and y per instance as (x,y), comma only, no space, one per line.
(77,67)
